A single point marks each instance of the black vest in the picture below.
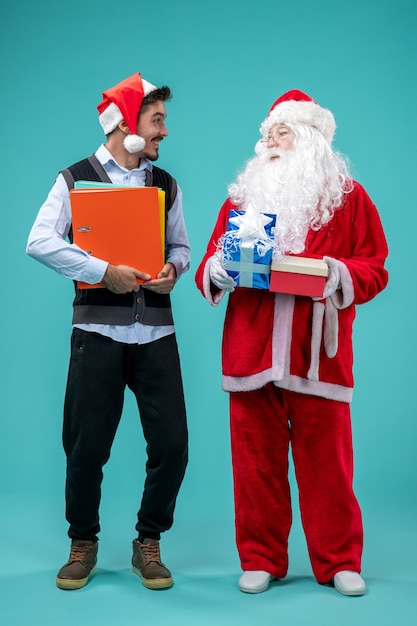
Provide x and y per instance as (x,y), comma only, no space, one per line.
(99,305)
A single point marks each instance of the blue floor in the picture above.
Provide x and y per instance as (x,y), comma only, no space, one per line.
(205,568)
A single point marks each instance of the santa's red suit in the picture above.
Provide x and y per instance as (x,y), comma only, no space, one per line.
(292,358)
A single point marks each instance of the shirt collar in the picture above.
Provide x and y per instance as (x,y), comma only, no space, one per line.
(104,156)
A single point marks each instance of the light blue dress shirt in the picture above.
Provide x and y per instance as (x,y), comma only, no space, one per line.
(47,243)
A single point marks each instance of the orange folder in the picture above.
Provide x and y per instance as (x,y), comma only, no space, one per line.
(121,225)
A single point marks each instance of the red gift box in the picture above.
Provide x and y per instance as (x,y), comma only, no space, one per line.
(299,276)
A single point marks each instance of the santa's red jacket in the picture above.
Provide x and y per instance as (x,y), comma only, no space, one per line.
(297,343)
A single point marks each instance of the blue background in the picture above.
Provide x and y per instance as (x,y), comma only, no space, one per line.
(226,62)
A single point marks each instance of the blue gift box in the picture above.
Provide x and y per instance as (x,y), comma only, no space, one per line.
(248,261)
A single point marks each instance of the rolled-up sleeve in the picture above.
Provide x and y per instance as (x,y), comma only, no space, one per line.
(47,239)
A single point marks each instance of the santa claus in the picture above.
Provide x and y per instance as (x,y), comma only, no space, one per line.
(287,359)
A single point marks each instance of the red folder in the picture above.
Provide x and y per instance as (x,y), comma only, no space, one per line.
(119,225)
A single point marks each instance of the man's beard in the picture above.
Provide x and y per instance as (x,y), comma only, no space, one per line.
(294,186)
(151,157)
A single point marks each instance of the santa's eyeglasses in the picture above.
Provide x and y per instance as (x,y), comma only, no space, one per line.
(277,134)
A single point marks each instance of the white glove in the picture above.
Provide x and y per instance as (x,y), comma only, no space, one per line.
(333,279)
(219,276)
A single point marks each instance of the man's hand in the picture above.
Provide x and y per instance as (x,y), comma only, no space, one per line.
(122,278)
(165,281)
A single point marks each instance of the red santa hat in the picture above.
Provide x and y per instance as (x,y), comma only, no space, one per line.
(123,102)
(296,106)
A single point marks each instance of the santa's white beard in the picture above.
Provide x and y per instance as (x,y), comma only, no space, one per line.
(293,186)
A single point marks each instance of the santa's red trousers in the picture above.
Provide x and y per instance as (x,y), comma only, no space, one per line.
(264,424)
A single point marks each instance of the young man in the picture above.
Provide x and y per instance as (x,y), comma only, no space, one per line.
(123,335)
(287,359)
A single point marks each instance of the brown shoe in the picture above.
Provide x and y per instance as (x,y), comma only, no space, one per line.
(81,563)
(146,563)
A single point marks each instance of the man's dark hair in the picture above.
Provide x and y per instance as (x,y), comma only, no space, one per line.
(162,93)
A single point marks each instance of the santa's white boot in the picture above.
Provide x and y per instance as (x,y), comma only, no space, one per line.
(349,583)
(254,582)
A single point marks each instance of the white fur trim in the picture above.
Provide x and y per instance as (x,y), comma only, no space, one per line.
(331,329)
(309,113)
(110,118)
(318,388)
(282,333)
(134,143)
(330,391)
(316,337)
(147,87)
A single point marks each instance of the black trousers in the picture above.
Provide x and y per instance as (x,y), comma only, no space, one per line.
(99,371)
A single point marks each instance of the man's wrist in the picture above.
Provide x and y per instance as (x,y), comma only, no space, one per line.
(108,274)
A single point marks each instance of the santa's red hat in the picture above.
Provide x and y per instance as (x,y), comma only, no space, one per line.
(295,106)
(123,102)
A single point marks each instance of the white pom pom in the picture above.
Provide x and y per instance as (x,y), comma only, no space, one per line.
(134,143)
